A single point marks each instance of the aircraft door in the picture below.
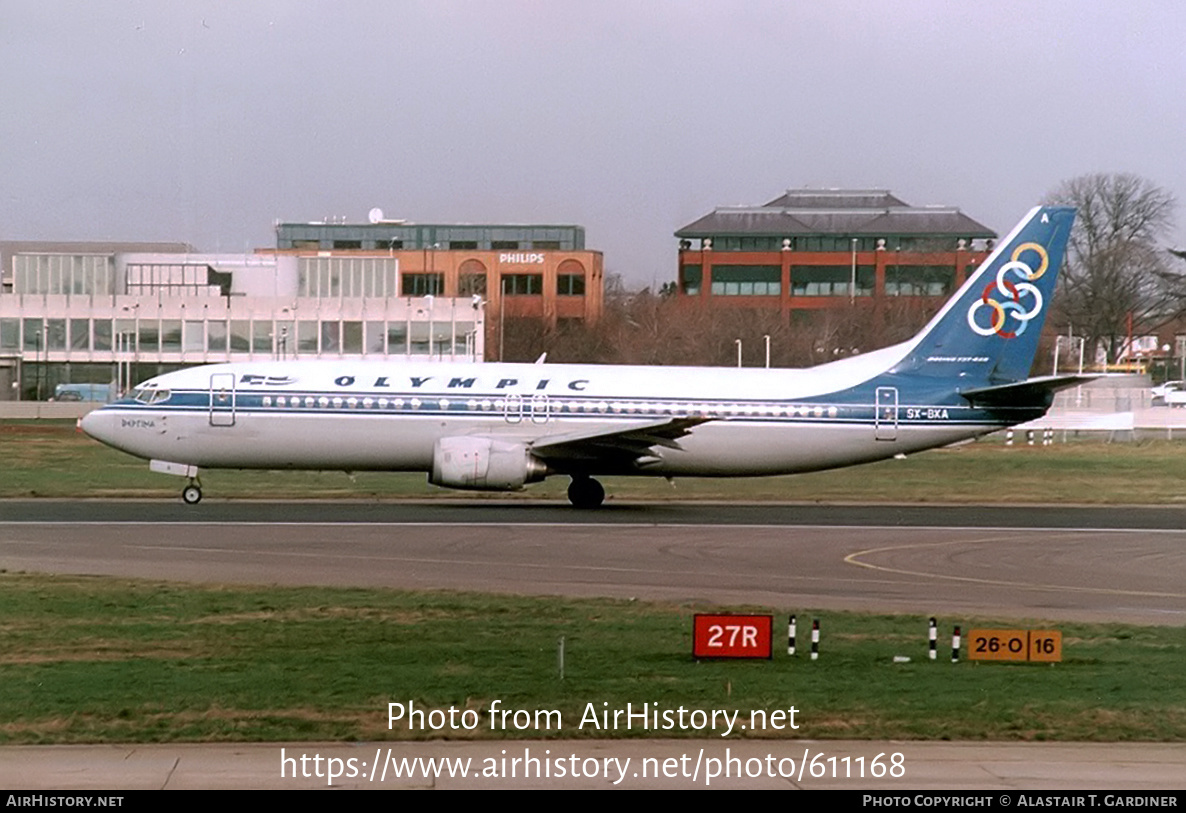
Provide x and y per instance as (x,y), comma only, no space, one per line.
(222,399)
(885,414)
(514,408)
(541,408)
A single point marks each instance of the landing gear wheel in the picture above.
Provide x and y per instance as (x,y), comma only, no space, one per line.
(585,492)
(191,494)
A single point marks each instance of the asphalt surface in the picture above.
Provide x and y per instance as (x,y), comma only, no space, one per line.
(1052,562)
(1058,563)
(612,513)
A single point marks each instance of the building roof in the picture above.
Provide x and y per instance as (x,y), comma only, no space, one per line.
(429,235)
(10,247)
(865,212)
(90,247)
(388,224)
(836,199)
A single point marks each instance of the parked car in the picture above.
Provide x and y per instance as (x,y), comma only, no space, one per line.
(1171,393)
(101,393)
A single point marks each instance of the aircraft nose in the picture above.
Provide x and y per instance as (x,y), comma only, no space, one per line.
(99,425)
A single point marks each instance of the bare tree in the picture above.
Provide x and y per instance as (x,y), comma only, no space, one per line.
(1116,279)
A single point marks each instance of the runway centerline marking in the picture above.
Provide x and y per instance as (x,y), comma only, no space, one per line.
(853,559)
(486,563)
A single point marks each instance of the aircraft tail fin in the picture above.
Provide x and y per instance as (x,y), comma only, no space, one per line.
(988,332)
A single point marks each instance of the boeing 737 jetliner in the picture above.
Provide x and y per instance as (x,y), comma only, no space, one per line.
(497,427)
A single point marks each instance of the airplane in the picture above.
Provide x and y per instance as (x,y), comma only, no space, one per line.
(500,426)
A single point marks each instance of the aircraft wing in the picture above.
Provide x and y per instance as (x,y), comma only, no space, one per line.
(628,444)
(1031,391)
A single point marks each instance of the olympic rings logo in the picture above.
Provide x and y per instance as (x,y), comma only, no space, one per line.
(1014,284)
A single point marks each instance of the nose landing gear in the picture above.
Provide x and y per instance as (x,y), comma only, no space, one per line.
(192,493)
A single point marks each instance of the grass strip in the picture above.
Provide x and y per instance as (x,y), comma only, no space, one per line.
(90,659)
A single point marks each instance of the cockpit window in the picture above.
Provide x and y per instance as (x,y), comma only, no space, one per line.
(151,395)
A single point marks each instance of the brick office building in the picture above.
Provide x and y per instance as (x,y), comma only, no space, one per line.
(534,271)
(815,249)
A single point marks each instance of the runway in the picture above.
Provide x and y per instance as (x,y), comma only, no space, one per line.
(1057,563)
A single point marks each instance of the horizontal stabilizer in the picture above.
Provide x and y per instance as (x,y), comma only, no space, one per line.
(1039,390)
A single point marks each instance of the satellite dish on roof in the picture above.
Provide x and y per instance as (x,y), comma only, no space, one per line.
(375,215)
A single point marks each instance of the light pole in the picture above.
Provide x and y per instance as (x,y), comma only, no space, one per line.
(37,356)
(852,287)
(502,310)
(479,318)
(429,302)
(1079,389)
(767,338)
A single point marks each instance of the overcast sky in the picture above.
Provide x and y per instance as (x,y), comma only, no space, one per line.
(206,121)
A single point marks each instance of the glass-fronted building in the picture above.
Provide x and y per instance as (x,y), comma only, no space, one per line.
(113,314)
(109,317)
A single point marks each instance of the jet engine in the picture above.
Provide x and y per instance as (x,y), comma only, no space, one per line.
(484,464)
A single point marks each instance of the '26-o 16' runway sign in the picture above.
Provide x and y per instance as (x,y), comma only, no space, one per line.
(1042,646)
(732,636)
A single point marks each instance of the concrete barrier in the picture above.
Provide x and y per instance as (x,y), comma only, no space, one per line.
(45,410)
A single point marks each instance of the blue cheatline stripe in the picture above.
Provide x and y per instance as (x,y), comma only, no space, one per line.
(727,407)
(976,418)
(404,404)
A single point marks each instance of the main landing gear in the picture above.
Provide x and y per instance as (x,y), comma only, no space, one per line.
(192,493)
(585,492)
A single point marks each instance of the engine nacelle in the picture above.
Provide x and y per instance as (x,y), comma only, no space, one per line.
(484,464)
